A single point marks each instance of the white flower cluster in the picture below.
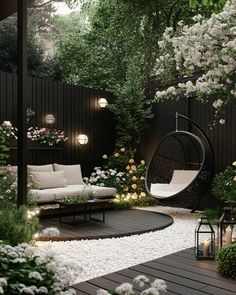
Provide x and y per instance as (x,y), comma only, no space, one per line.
(46,135)
(155,288)
(208,47)
(50,232)
(101,177)
(8,131)
(24,253)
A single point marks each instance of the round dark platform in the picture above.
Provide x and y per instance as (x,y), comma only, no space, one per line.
(118,223)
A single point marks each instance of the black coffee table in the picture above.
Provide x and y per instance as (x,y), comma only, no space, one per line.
(86,209)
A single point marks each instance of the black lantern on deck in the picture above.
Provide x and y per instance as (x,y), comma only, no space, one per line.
(204,240)
(226,225)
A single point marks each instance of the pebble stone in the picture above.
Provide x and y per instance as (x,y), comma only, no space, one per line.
(88,259)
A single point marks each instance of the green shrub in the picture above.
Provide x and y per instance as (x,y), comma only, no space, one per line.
(3,150)
(124,202)
(145,201)
(226,260)
(224,184)
(15,226)
(8,187)
(122,172)
(212,213)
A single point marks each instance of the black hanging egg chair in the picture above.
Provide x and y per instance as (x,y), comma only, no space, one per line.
(181,168)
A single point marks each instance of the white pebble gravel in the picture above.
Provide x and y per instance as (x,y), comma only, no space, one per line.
(88,259)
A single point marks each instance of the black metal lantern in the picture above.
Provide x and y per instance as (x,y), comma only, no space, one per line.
(204,240)
(226,225)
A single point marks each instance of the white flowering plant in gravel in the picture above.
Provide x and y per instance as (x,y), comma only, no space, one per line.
(50,232)
(21,272)
(206,49)
(155,288)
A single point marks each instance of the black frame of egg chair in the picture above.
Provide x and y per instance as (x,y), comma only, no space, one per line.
(192,194)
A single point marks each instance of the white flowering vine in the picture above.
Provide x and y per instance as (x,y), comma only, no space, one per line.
(207,50)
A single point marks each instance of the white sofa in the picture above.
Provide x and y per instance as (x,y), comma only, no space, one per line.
(55,181)
(179,181)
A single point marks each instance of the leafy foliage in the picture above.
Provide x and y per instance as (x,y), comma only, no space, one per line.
(75,199)
(212,213)
(216,5)
(131,110)
(46,135)
(15,227)
(113,46)
(126,175)
(226,258)
(37,65)
(22,272)
(8,187)
(3,150)
(224,184)
(204,52)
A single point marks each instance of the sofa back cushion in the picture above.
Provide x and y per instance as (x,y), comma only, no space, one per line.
(43,180)
(72,173)
(40,168)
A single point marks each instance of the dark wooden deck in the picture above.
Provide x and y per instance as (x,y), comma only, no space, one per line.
(183,273)
(118,223)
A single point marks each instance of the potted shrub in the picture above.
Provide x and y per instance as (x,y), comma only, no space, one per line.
(226,258)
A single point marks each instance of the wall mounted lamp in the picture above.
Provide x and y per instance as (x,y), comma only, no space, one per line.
(50,119)
(102,102)
(82,139)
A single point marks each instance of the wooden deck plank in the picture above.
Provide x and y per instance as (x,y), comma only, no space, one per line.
(196,277)
(191,268)
(86,288)
(169,277)
(118,223)
(201,263)
(218,291)
(173,288)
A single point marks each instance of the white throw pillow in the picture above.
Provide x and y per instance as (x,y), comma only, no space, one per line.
(43,180)
(72,173)
(40,168)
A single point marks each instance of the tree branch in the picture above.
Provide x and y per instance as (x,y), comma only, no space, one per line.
(45,3)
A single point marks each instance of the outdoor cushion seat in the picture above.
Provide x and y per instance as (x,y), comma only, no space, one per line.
(72,184)
(43,195)
(179,181)
(166,189)
(55,194)
(102,191)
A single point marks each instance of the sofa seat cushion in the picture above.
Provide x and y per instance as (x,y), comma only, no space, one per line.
(43,196)
(68,191)
(55,194)
(103,192)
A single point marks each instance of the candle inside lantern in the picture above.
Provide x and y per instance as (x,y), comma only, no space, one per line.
(228,235)
(206,246)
